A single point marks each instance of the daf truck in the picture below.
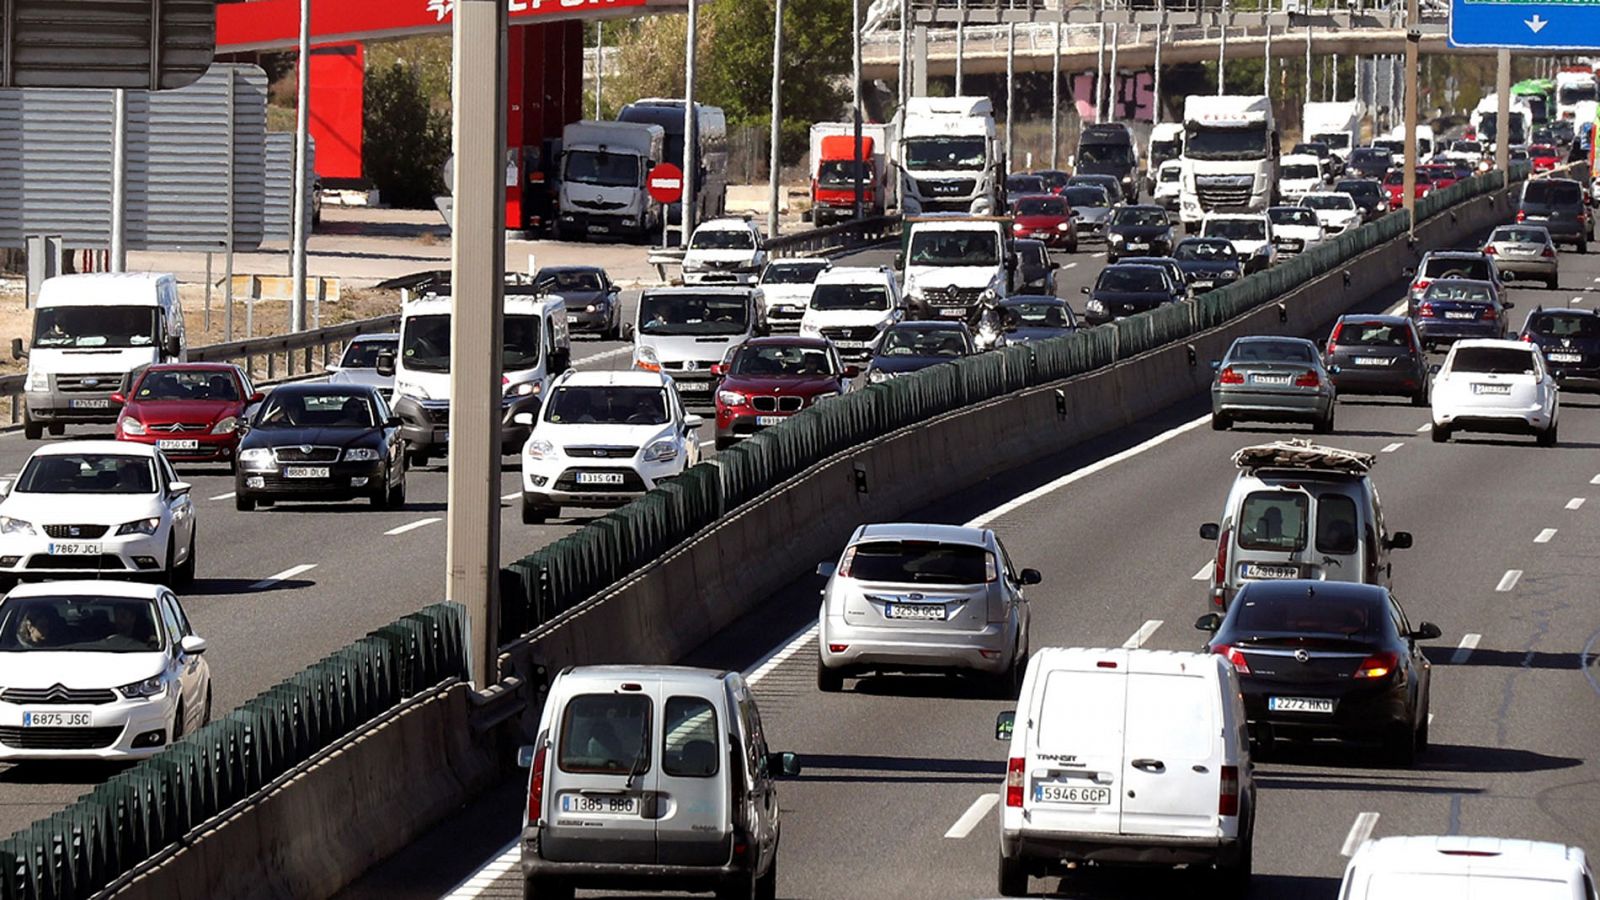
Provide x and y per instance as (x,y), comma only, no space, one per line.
(1336,124)
(1230,156)
(603,169)
(949,158)
(833,162)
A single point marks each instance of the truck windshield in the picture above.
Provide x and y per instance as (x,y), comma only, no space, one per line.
(1105,154)
(1161,151)
(941,153)
(1242,142)
(602,169)
(1489,126)
(1336,140)
(425,343)
(96,326)
(849,296)
(954,248)
(839,173)
(1569,94)
(681,314)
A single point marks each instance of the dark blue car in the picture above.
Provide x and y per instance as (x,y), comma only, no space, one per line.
(1570,340)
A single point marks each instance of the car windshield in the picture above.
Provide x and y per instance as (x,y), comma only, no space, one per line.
(1084,195)
(1041,206)
(80,624)
(849,296)
(1274,520)
(95,327)
(1131,279)
(1292,215)
(1374,334)
(954,248)
(1271,352)
(166,384)
(684,314)
(1216,250)
(782,359)
(602,169)
(1456,267)
(793,272)
(584,280)
(1459,292)
(1357,189)
(1493,360)
(1035,315)
(1564,193)
(1105,154)
(605,734)
(1170,174)
(1547,325)
(1311,149)
(1306,614)
(1237,229)
(287,409)
(1210,142)
(87,473)
(1025,184)
(723,239)
(1133,215)
(1369,156)
(364,354)
(425,343)
(917,562)
(1298,172)
(1519,236)
(607,405)
(948,343)
(944,153)
(1328,201)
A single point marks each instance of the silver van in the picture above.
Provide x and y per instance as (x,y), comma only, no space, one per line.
(652,778)
(1299,510)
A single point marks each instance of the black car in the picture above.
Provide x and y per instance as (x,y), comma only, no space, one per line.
(1327,659)
(1019,185)
(1054,179)
(1560,206)
(1138,231)
(1570,339)
(1208,263)
(910,346)
(1033,318)
(1369,354)
(321,442)
(1173,270)
(1369,162)
(1125,290)
(594,305)
(1367,194)
(1036,271)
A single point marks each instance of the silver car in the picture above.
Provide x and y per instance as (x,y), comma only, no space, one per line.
(1525,251)
(1272,379)
(912,597)
(359,364)
(1091,209)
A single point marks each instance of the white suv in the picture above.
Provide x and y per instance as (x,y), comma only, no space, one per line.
(724,251)
(851,306)
(1461,866)
(1250,233)
(1497,386)
(786,289)
(602,439)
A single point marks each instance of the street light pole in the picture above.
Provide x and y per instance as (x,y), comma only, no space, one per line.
(1408,183)
(855,86)
(1222,47)
(777,117)
(600,64)
(1011,92)
(302,148)
(1055,100)
(691,148)
(1161,36)
(961,45)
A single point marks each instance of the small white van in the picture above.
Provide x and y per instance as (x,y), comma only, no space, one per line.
(91,335)
(1126,757)
(1466,868)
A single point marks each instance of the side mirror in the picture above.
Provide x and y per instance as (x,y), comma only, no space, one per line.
(174,346)
(1084,289)
(5,485)
(16,349)
(627,331)
(525,756)
(119,398)
(1508,305)
(1507,277)
(257,397)
(195,645)
(1322,344)
(720,370)
(1209,531)
(1434,369)
(1208,622)
(522,418)
(852,371)
(692,421)
(1400,540)
(178,488)
(614,289)
(1031,576)
(786,764)
(1054,264)
(385,364)
(1004,724)
(393,422)
(1426,631)
(1408,271)
(899,260)
(827,569)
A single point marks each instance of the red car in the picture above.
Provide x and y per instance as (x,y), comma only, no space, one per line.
(190,411)
(1394,186)
(1047,218)
(1544,156)
(1443,175)
(769,379)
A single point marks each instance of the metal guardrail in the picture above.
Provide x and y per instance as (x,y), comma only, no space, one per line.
(834,238)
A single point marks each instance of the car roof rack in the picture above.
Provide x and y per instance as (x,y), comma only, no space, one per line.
(1303,454)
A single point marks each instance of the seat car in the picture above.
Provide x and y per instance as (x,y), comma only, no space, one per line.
(1320,659)
(915,597)
(359,363)
(1047,218)
(1126,757)
(98,670)
(651,778)
(322,442)
(1525,251)
(602,439)
(1295,229)
(907,347)
(1496,386)
(1036,271)
(786,290)
(850,307)
(1208,263)
(1368,194)
(1570,341)
(1560,206)
(1370,354)
(1455,308)
(1091,208)
(189,411)
(97,509)
(593,300)
(724,251)
(1272,379)
(1031,318)
(1138,231)
(1126,289)
(1544,157)
(1466,867)
(1299,510)
(767,380)
(1251,235)
(1336,211)
(1435,264)
(1394,185)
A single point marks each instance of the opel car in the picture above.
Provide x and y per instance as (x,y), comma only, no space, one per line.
(189,411)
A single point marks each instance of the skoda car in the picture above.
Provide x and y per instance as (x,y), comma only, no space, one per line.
(322,442)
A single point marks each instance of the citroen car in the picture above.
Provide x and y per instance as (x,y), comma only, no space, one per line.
(189,411)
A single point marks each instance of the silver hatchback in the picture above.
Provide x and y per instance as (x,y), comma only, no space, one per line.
(1525,251)
(1272,379)
(913,597)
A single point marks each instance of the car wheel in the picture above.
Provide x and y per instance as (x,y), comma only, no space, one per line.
(169,572)
(1441,434)
(1235,879)
(1220,422)
(1547,437)
(829,681)
(32,430)
(1422,732)
(177,724)
(534,512)
(233,466)
(1420,398)
(1552,282)
(546,889)
(742,888)
(380,497)
(243,503)
(1401,747)
(184,576)
(1013,880)
(767,885)
(57,430)
(1583,246)
(1324,425)
(397,494)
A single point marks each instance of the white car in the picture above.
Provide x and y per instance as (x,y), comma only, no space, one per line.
(98,670)
(1466,868)
(786,289)
(1250,234)
(1498,386)
(1299,174)
(1295,229)
(1336,210)
(1169,184)
(96,509)
(724,251)
(851,306)
(602,439)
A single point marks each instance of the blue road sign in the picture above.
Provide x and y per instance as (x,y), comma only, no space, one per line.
(1517,24)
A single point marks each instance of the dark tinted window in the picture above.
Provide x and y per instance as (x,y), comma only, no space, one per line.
(793,272)
(1565,326)
(1560,193)
(1338,529)
(1270,351)
(1131,279)
(1085,195)
(1493,360)
(1456,267)
(918,562)
(584,404)
(168,384)
(1274,520)
(1307,614)
(689,738)
(364,354)
(779,359)
(1205,249)
(1041,206)
(293,410)
(949,343)
(1374,334)
(606,734)
(95,624)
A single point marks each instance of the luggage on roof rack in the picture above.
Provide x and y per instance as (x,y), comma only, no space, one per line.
(1303,454)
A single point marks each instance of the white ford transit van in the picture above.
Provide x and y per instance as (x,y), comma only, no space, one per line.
(1126,757)
(1466,868)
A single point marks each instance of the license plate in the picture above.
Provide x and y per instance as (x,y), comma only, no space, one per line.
(926,611)
(1203,284)
(850,345)
(1292,244)
(1491,389)
(75,548)
(1564,357)
(1063,793)
(1536,218)
(1254,570)
(599,478)
(1138,245)
(599,229)
(101,403)
(55,719)
(1460,315)
(1371,361)
(764,421)
(599,806)
(178,445)
(1269,379)
(952,313)
(306,471)
(1322,705)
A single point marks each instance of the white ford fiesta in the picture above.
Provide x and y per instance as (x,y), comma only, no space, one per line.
(1496,386)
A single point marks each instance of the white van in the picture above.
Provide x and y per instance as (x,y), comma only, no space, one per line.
(684,331)
(1126,757)
(1466,868)
(91,335)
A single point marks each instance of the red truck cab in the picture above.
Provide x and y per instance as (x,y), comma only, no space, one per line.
(833,190)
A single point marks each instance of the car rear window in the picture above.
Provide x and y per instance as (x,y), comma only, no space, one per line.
(1270,351)
(1459,292)
(1520,235)
(689,738)
(1456,267)
(1560,193)
(1565,326)
(606,734)
(1338,529)
(1081,713)
(1306,613)
(1374,334)
(1493,360)
(1274,520)
(918,562)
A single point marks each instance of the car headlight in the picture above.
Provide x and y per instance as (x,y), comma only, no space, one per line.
(258,459)
(730,398)
(990,295)
(523,389)
(131,425)
(361,454)
(140,690)
(9,525)
(140,526)
(1094,306)
(539,449)
(37,381)
(591,308)
(408,389)
(1064,226)
(1114,238)
(877,376)
(810,329)
(818,398)
(661,451)
(645,358)
(1228,273)
(228,425)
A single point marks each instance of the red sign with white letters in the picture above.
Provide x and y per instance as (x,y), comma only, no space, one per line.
(665,183)
(275,24)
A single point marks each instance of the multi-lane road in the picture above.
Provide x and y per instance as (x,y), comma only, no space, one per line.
(901,775)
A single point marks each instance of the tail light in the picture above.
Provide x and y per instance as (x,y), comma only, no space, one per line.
(1521,216)
(1228,794)
(1219,570)
(1378,665)
(1014,782)
(1333,339)
(1425,311)
(1549,253)
(1421,284)
(1490,250)
(1229,376)
(536,786)
(991,571)
(1489,314)
(1527,337)
(1309,379)
(1234,656)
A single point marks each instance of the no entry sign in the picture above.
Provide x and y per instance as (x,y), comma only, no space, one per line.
(665,183)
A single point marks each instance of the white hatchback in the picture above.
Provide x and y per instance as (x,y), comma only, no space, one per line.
(1466,868)
(98,670)
(1336,210)
(1496,386)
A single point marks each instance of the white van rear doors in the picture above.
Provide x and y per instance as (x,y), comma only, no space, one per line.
(603,782)
(1072,777)
(1173,748)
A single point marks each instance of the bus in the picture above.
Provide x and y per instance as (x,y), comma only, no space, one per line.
(1540,96)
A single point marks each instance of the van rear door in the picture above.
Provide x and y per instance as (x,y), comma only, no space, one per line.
(603,786)
(1074,762)
(1336,542)
(1173,748)
(1271,536)
(694,803)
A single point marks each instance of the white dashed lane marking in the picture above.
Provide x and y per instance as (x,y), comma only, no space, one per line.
(1508,580)
(1393,447)
(1469,643)
(413,526)
(1204,573)
(285,575)
(1545,536)
(974,814)
(1142,635)
(1575,503)
(1360,830)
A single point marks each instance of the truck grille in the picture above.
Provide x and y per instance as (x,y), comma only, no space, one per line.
(1224,192)
(953,296)
(776,404)
(93,382)
(946,188)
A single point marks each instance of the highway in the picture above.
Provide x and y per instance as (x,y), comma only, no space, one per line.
(901,774)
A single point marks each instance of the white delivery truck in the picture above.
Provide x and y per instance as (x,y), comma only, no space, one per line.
(603,169)
(1336,124)
(1485,120)
(1574,86)
(833,183)
(958,268)
(948,157)
(1230,154)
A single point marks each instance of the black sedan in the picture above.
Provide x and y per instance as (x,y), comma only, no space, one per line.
(1369,354)
(1208,263)
(1327,659)
(594,304)
(907,347)
(1570,339)
(322,442)
(1138,231)
(1027,318)
(1127,289)
(1368,195)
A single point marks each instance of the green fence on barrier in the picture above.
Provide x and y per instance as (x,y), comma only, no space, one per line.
(133,816)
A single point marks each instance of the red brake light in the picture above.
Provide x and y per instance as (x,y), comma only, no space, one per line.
(1549,253)
(1490,250)
(845,561)
(1425,311)
(1378,665)
(1234,656)
(1333,339)
(1489,314)
(1219,571)
(1229,376)
(1421,284)
(1521,216)
(1014,781)
(1228,794)
(536,786)
(1309,379)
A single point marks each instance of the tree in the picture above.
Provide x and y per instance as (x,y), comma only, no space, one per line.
(406,141)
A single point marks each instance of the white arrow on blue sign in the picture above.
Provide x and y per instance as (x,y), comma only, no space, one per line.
(1573,25)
